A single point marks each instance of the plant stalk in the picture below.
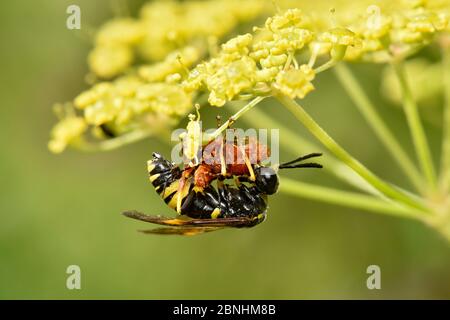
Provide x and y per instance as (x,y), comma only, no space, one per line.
(344,156)
(368,110)
(416,128)
(346,198)
(445,158)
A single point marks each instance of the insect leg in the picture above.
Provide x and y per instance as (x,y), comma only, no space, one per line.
(247,163)
(223,164)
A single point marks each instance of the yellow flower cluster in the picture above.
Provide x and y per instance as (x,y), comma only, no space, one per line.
(283,53)
(295,83)
(380,29)
(113,52)
(170,68)
(66,132)
(164,26)
(249,64)
(127,98)
(168,37)
(397,30)
(283,56)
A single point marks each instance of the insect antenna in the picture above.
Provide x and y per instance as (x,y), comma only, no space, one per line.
(296,163)
(302,165)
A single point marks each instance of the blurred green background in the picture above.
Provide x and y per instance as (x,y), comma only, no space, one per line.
(63,210)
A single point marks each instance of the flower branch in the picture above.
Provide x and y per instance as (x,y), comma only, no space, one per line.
(445,158)
(415,126)
(368,110)
(336,149)
(347,199)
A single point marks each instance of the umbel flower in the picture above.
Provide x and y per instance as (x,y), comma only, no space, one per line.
(171,37)
(161,28)
(372,36)
(295,83)
(66,132)
(248,65)
(189,53)
(168,38)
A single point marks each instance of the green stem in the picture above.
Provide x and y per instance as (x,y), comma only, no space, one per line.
(257,117)
(233,118)
(416,128)
(113,143)
(327,65)
(445,158)
(337,54)
(346,198)
(369,112)
(344,156)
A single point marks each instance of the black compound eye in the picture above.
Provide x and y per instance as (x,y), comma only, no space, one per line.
(266,180)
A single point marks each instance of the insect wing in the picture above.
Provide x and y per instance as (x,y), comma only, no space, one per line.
(235,222)
(182,231)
